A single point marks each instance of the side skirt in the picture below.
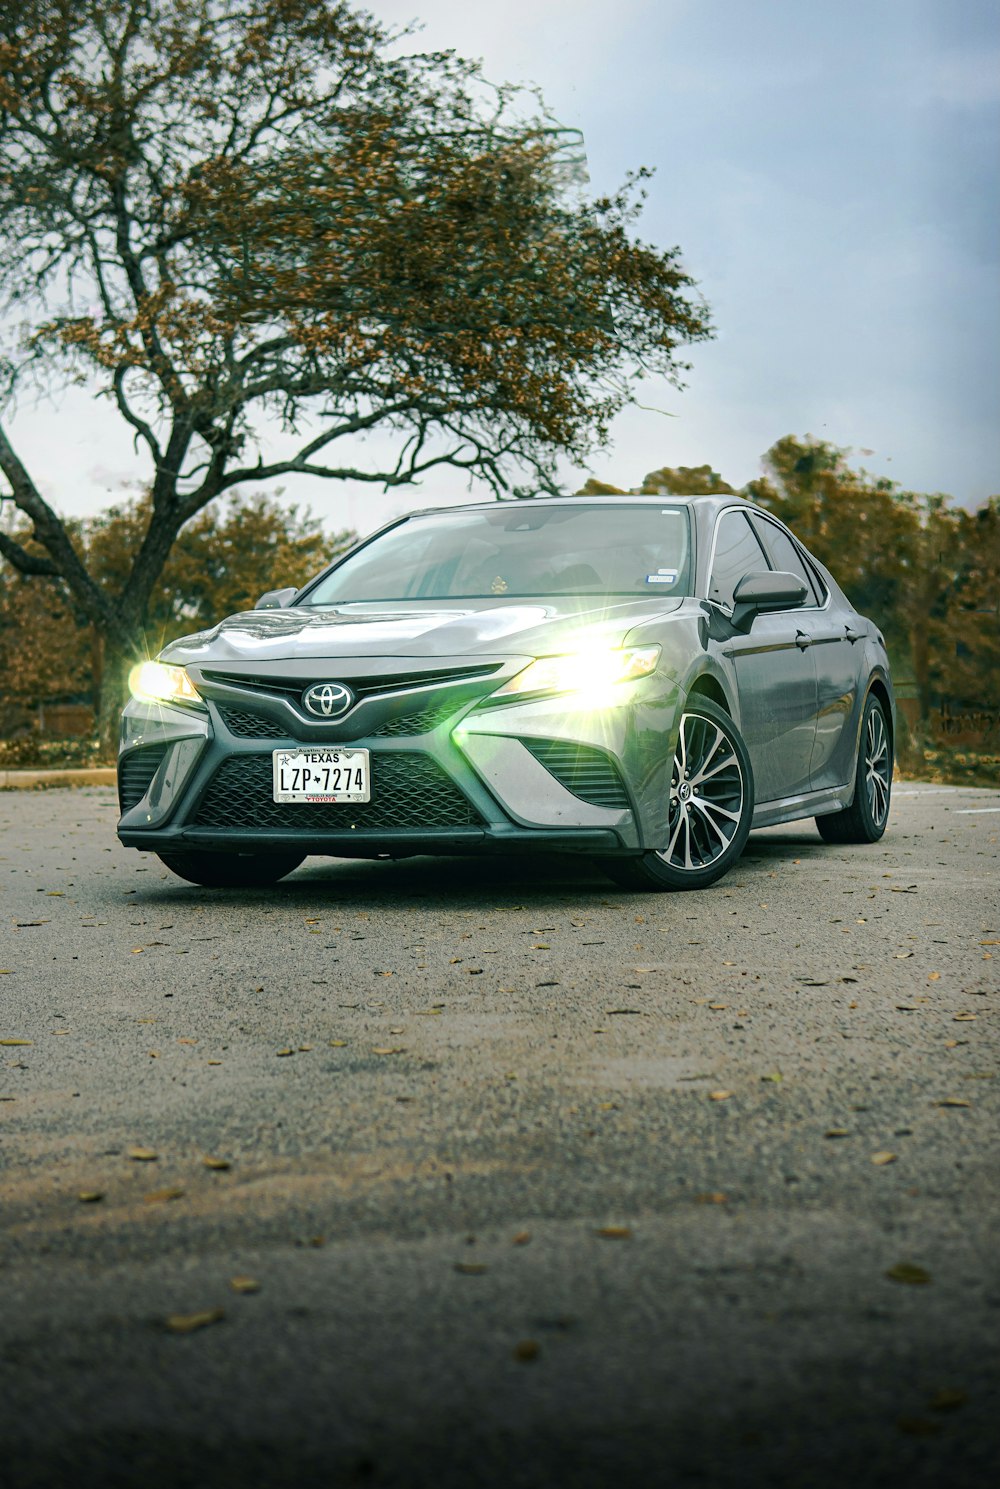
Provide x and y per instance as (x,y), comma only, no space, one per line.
(811,804)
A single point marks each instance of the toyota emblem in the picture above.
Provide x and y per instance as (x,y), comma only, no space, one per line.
(328,700)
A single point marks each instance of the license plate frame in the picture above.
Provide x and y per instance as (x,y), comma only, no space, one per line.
(319,776)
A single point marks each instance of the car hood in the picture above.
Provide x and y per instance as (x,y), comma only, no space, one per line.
(415,629)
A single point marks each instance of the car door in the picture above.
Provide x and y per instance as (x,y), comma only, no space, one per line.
(775,671)
(834,658)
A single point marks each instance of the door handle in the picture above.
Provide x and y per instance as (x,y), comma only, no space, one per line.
(853,635)
(802,640)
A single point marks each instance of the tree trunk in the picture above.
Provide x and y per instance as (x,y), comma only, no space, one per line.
(111,689)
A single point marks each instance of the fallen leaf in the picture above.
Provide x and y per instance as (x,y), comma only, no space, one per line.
(526,1350)
(161,1196)
(187,1041)
(143,1155)
(947,1399)
(521,1239)
(901,956)
(952,1101)
(471,1269)
(837,1132)
(718,1007)
(909,1273)
(379,1049)
(338,1044)
(614,1232)
(187,1323)
(216,1163)
(283,1053)
(775,1076)
(90,1196)
(716,1197)
(882,1158)
(964,1018)
(304,1049)
(10,1043)
(934,977)
(719,1095)
(244,1284)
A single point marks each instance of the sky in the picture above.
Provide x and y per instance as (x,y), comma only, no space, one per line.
(831,174)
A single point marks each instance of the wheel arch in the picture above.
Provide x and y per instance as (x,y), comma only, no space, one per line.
(707,686)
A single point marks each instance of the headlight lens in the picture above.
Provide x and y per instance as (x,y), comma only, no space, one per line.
(582,672)
(159,682)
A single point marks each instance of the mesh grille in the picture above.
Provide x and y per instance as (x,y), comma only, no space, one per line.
(416,723)
(246,725)
(408,791)
(135,773)
(588,772)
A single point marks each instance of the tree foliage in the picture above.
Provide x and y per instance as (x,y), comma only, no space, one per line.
(232,214)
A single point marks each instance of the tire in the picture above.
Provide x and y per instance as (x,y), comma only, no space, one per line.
(708,828)
(231,870)
(864,821)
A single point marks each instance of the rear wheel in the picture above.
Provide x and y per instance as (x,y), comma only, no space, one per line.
(231,870)
(865,819)
(710,807)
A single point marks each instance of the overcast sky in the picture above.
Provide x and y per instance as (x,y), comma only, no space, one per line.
(832,176)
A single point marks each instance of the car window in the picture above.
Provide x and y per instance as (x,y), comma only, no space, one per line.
(519,550)
(737,552)
(785,556)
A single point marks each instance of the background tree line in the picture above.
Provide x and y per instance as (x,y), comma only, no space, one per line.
(928,572)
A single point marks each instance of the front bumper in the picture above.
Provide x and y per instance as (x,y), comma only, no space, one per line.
(448,776)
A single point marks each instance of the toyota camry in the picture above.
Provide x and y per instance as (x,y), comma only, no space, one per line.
(638,679)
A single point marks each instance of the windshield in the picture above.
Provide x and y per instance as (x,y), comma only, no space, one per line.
(521,551)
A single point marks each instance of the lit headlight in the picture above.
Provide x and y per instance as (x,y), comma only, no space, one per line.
(582,672)
(159,682)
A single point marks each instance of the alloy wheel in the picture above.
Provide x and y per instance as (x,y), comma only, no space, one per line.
(877,767)
(707,792)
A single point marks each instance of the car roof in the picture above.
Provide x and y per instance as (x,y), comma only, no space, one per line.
(706,502)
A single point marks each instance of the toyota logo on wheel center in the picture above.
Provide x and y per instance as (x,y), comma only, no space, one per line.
(328,700)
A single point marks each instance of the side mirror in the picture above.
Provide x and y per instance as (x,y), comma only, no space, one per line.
(276,599)
(765,590)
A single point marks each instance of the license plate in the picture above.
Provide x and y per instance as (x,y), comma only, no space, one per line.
(321,775)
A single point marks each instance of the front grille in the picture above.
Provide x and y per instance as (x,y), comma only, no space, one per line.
(589,773)
(135,773)
(416,723)
(246,725)
(408,791)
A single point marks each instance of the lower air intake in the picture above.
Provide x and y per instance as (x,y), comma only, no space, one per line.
(409,791)
(589,773)
(135,772)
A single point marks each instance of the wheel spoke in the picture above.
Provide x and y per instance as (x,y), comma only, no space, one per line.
(706,774)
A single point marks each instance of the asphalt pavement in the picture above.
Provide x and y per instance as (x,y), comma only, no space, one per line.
(459,1173)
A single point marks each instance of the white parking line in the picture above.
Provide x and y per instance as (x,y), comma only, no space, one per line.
(929,791)
(975,811)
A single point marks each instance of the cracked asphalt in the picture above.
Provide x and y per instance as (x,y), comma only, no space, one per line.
(459,1173)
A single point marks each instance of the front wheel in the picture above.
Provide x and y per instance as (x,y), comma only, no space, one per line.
(864,821)
(231,870)
(709,812)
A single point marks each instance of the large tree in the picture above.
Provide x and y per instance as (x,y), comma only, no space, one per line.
(237,215)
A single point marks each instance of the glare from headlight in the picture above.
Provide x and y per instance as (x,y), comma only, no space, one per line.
(159,682)
(587,672)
